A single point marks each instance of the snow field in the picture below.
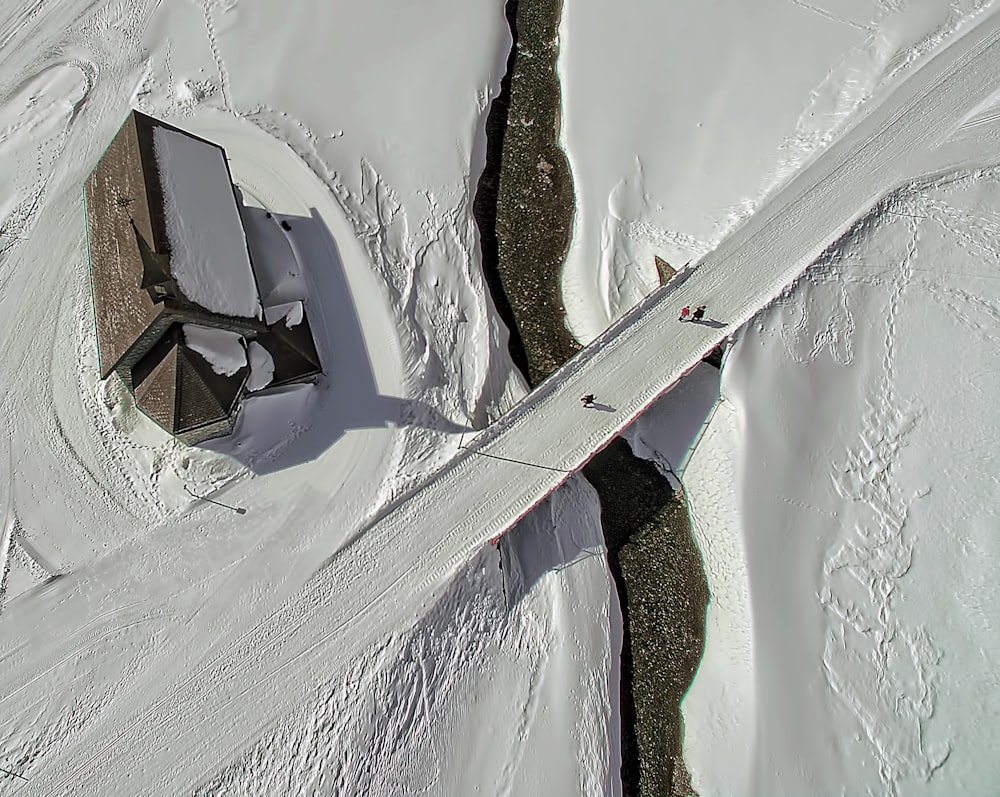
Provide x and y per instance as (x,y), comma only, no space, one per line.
(866,542)
(171,628)
(213,695)
(209,702)
(664,165)
(705,111)
(719,710)
(483,694)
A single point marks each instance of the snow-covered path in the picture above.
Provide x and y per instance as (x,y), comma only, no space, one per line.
(360,594)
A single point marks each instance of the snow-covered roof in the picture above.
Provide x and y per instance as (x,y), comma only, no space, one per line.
(261,367)
(224,350)
(208,247)
(292,312)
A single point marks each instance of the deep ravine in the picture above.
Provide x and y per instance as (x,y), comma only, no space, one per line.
(524,209)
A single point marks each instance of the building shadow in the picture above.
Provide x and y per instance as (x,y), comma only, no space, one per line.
(286,426)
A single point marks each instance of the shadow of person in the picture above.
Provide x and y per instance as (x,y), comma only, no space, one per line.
(602,407)
(708,322)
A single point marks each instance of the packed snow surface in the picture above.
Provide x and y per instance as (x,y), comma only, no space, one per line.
(208,248)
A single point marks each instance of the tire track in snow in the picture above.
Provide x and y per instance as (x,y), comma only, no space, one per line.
(19,20)
(830,17)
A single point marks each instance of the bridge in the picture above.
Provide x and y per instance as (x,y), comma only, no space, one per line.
(931,122)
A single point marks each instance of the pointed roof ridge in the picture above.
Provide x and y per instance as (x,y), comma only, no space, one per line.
(155,395)
(202,392)
(155,265)
(297,338)
(178,389)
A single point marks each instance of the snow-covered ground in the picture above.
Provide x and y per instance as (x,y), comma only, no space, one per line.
(849,635)
(703,110)
(362,125)
(300,655)
(858,415)
(499,688)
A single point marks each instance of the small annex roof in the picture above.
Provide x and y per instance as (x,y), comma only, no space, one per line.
(293,351)
(178,388)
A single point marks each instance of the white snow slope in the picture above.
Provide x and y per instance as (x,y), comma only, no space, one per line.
(854,649)
(188,644)
(703,111)
(408,554)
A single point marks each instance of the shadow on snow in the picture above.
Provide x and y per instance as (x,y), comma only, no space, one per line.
(286,426)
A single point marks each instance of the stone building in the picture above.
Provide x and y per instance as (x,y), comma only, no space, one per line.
(169,264)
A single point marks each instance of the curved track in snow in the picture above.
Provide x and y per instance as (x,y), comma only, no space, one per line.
(179,579)
(228,695)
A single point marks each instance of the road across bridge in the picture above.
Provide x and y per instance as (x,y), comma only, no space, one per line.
(232,696)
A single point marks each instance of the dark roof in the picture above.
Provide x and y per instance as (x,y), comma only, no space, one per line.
(136,297)
(119,210)
(177,388)
(127,240)
(293,351)
(155,266)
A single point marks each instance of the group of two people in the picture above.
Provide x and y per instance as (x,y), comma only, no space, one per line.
(697,315)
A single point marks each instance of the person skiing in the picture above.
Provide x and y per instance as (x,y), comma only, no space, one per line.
(699,313)
(685,312)
(587,400)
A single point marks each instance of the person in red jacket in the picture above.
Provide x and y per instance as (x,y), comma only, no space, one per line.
(685,312)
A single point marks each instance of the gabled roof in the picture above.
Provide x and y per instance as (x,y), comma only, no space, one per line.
(133,237)
(167,248)
(177,388)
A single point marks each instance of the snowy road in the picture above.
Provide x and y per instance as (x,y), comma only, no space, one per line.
(357,597)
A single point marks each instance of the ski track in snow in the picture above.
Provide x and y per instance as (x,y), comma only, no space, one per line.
(392,711)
